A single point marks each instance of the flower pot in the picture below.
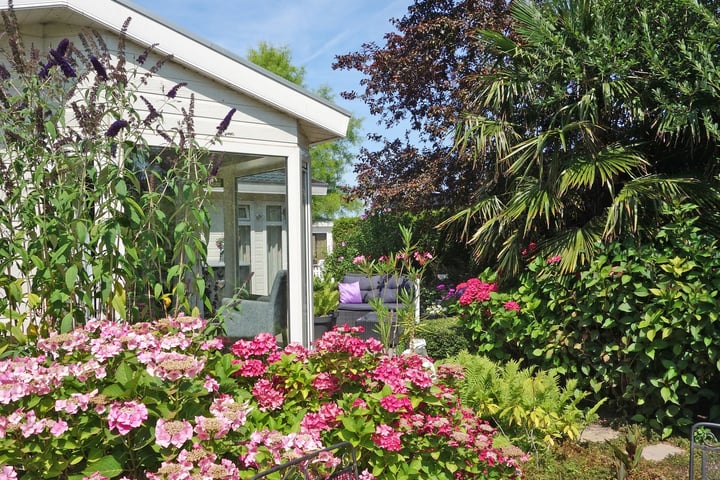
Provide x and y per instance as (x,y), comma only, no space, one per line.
(322,324)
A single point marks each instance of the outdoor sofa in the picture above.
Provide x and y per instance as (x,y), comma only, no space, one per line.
(356,292)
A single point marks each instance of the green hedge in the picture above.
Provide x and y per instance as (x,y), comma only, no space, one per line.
(444,337)
(638,325)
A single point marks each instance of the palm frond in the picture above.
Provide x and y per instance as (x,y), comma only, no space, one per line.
(482,135)
(530,152)
(642,193)
(534,200)
(576,246)
(601,167)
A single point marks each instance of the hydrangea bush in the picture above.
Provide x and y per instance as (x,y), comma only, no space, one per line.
(161,400)
(489,314)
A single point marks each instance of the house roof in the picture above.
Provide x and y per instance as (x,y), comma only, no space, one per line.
(319,119)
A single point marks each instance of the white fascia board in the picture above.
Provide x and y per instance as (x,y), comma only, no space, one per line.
(209,59)
(265,188)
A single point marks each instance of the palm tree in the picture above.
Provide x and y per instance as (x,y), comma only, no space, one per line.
(596,114)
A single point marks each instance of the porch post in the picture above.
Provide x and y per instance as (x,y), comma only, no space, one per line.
(299,271)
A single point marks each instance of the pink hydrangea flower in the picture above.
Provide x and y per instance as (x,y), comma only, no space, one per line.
(326,382)
(252,368)
(173,366)
(225,469)
(213,344)
(211,427)
(268,397)
(393,403)
(262,344)
(174,433)
(124,416)
(475,290)
(387,438)
(8,473)
(366,475)
(232,411)
(210,384)
(512,305)
(58,427)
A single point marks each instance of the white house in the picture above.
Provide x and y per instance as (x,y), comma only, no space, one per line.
(261,219)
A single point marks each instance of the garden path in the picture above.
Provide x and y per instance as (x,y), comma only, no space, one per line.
(596,432)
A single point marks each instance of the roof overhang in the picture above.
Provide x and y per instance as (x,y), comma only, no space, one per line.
(320,120)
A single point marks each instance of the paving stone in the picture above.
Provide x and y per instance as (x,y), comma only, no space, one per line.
(598,433)
(660,451)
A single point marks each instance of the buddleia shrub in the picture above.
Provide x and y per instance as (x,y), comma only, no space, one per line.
(94,222)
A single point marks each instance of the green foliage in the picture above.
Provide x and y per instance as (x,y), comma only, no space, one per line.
(376,234)
(444,337)
(487,315)
(637,325)
(94,221)
(326,295)
(278,60)
(329,161)
(528,405)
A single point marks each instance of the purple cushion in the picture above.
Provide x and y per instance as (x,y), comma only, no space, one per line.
(350,292)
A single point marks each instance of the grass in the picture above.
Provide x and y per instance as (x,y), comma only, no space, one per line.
(596,461)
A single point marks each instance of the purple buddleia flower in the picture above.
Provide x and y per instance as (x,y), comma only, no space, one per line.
(55,56)
(99,68)
(174,90)
(60,61)
(143,56)
(62,47)
(45,69)
(215,167)
(115,128)
(67,69)
(225,122)
(152,111)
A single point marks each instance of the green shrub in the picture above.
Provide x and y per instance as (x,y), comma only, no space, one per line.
(377,234)
(637,325)
(326,295)
(444,337)
(528,405)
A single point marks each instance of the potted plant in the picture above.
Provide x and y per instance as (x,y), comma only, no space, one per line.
(326,297)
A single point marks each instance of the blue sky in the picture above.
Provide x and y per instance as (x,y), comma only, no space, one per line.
(314,30)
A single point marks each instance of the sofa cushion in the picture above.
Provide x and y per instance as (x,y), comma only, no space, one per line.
(370,287)
(391,288)
(350,292)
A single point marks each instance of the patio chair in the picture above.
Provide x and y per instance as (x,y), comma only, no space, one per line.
(705,444)
(245,318)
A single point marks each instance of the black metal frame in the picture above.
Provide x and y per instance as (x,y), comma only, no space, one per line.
(301,467)
(710,443)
